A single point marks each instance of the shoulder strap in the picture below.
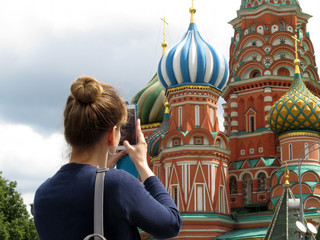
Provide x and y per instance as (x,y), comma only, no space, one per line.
(98,201)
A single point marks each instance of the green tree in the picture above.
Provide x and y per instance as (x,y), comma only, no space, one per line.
(318,234)
(15,221)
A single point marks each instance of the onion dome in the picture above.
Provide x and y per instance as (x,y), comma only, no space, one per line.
(150,102)
(153,141)
(193,61)
(298,109)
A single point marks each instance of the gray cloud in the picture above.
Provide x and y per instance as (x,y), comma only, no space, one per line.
(34,86)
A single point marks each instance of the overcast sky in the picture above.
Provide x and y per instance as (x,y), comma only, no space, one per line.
(45,45)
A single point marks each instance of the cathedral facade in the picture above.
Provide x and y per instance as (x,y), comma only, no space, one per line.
(228,183)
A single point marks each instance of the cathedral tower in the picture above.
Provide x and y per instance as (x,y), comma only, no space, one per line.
(261,71)
(189,153)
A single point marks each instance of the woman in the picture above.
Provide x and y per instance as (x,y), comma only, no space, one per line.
(63,205)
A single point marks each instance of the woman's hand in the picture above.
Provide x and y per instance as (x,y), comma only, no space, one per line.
(138,154)
(113,160)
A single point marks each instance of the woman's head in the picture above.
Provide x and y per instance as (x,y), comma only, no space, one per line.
(93,108)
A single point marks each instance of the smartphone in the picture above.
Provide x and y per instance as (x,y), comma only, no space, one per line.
(128,131)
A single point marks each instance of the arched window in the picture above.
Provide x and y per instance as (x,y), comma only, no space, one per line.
(262,182)
(255,73)
(179,116)
(260,29)
(306,151)
(218,142)
(283,72)
(233,185)
(197,116)
(175,194)
(247,188)
(251,123)
(290,152)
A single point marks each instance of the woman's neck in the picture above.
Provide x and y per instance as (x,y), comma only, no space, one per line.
(95,156)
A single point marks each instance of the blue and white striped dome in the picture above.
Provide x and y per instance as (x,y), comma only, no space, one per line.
(193,61)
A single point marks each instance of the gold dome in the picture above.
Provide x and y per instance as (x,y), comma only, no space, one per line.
(298,109)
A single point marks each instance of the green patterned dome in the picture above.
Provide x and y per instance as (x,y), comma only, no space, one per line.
(150,101)
(298,109)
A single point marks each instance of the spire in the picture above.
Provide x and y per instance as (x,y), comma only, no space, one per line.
(192,10)
(164,43)
(284,219)
(296,61)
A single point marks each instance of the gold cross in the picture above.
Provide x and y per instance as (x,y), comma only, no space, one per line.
(164,27)
(296,40)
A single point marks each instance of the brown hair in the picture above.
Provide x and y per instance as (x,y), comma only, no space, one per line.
(92,109)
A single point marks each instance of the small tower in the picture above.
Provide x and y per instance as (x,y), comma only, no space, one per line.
(261,67)
(150,100)
(295,119)
(190,154)
(283,223)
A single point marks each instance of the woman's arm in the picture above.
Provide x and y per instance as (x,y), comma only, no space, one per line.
(149,207)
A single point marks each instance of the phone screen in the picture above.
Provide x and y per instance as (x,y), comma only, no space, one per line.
(128,131)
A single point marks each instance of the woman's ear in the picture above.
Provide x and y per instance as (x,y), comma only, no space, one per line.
(111,136)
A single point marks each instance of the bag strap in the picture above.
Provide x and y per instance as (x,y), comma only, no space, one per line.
(96,236)
(98,202)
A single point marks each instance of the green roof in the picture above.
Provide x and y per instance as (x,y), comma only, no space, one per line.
(237,164)
(243,234)
(268,161)
(246,218)
(304,168)
(253,162)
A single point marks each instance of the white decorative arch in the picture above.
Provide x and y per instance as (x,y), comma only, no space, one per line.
(279,40)
(243,173)
(291,70)
(250,43)
(246,73)
(233,175)
(261,171)
(279,55)
(205,139)
(254,56)
(260,29)
(274,28)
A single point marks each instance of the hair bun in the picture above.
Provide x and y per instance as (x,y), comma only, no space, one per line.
(86,90)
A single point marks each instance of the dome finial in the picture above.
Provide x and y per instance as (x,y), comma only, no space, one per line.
(192,10)
(286,176)
(296,61)
(166,104)
(164,43)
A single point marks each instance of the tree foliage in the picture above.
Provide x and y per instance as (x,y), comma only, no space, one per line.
(15,221)
(318,234)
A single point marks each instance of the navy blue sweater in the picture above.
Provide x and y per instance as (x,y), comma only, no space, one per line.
(63,205)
